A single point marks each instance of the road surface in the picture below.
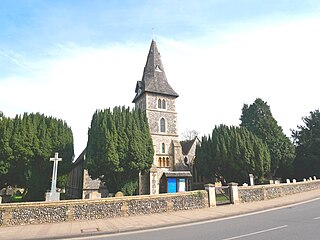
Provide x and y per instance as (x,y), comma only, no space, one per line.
(301,221)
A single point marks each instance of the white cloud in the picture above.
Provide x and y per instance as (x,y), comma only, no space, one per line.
(278,63)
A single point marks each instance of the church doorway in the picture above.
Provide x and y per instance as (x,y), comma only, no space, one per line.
(172,182)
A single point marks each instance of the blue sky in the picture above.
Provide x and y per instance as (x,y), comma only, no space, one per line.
(68,58)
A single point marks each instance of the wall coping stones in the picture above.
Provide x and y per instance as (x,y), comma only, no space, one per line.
(264,192)
(87,209)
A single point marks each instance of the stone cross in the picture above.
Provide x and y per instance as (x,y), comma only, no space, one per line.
(54,172)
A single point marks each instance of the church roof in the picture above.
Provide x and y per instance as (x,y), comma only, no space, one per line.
(154,79)
(178,174)
(187,145)
(81,157)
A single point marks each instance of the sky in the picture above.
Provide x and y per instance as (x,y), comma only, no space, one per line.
(68,58)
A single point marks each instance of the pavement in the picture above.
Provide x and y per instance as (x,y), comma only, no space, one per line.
(78,229)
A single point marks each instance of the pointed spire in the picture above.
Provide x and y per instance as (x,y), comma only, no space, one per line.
(154,78)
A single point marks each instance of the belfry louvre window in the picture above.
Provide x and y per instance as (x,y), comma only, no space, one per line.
(162,125)
(162,104)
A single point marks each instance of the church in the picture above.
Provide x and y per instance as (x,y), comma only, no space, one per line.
(172,166)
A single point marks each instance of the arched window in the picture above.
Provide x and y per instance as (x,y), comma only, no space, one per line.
(163,148)
(160,162)
(159,103)
(167,162)
(162,125)
(164,104)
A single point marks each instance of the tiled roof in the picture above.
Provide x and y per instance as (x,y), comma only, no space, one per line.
(81,157)
(186,145)
(154,79)
(178,174)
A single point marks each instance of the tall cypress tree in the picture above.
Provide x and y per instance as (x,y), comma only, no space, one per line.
(119,147)
(6,152)
(232,154)
(27,143)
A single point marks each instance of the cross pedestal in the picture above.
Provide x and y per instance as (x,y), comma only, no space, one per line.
(53,195)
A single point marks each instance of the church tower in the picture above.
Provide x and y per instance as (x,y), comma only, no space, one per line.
(155,96)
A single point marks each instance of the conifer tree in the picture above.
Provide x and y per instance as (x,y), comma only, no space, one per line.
(232,154)
(259,120)
(307,141)
(26,144)
(119,147)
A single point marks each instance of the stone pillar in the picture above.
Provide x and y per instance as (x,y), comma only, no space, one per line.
(210,188)
(140,184)
(154,189)
(6,217)
(288,180)
(0,199)
(124,209)
(234,197)
(70,213)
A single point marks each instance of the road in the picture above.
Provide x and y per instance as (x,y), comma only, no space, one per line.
(300,221)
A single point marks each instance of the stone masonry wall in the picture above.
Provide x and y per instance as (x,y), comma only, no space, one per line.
(74,210)
(265,192)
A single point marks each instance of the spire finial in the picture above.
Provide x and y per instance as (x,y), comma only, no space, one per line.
(153,35)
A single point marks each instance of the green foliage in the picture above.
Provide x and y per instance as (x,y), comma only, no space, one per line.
(259,120)
(119,147)
(26,144)
(307,140)
(232,153)
(62,181)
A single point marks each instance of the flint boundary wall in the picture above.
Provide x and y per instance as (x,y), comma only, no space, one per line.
(266,192)
(74,210)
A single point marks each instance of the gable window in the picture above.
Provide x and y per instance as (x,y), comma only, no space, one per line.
(163,148)
(162,125)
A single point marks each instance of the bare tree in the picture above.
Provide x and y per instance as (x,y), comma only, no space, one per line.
(189,135)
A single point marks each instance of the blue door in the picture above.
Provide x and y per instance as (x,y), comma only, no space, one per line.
(172,185)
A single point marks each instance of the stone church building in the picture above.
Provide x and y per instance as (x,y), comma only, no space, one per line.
(172,166)
(156,97)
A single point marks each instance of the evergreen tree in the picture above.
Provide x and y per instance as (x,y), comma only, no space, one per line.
(259,120)
(26,144)
(6,153)
(307,141)
(119,147)
(231,154)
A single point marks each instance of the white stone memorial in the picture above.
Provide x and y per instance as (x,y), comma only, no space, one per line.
(251,179)
(53,195)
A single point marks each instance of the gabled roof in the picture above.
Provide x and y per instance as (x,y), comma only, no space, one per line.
(187,145)
(81,157)
(154,79)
